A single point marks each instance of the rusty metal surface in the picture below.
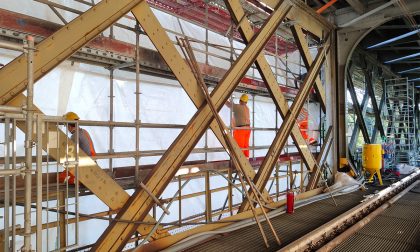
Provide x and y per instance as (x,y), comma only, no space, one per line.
(396,229)
(288,226)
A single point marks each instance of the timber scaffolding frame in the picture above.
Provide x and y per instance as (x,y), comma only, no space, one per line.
(66,41)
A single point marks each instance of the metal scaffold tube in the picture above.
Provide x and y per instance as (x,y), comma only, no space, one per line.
(137,157)
(28,145)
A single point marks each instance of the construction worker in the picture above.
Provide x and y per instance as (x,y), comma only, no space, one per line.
(241,122)
(85,143)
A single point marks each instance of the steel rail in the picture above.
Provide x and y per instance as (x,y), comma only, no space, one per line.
(356,227)
(329,229)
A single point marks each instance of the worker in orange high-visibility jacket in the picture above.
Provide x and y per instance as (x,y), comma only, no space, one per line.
(85,143)
(303,126)
(241,122)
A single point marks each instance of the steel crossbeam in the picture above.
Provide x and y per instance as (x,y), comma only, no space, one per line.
(285,129)
(118,233)
(357,109)
(237,13)
(182,71)
(90,174)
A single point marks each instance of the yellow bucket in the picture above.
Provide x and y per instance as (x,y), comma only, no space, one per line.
(372,160)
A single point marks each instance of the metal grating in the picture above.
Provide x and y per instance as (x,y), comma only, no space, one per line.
(396,229)
(359,242)
(289,226)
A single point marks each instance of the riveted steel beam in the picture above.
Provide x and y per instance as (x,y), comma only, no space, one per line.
(237,13)
(285,129)
(371,91)
(90,174)
(117,234)
(356,129)
(381,107)
(302,15)
(61,45)
(307,60)
(357,109)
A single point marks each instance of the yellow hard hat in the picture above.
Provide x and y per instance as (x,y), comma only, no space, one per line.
(71,116)
(244,98)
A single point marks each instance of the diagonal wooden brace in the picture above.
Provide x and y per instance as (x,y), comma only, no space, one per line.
(238,15)
(276,147)
(140,203)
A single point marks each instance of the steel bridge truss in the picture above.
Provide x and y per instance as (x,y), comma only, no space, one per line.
(132,209)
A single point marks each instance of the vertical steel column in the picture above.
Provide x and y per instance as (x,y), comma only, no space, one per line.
(111,117)
(28,144)
(14,186)
(180,200)
(6,183)
(276,56)
(253,126)
(137,157)
(207,32)
(39,183)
